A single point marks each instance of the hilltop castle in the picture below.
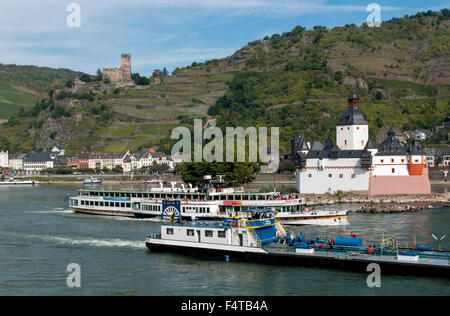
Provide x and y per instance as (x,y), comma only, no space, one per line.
(121,77)
(355,164)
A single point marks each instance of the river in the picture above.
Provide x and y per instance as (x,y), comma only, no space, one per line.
(40,237)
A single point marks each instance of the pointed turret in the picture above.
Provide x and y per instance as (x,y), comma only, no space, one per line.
(353,100)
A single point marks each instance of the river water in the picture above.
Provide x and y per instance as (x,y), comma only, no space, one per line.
(40,237)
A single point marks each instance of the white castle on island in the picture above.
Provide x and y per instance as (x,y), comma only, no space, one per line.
(355,164)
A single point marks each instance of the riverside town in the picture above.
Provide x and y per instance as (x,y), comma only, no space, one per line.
(225,156)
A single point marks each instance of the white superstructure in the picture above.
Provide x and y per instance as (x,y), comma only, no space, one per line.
(216,201)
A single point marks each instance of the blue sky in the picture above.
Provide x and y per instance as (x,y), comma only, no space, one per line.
(165,33)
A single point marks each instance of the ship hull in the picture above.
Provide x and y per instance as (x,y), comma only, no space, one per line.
(290,259)
(103,212)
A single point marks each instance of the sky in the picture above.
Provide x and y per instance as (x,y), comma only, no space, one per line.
(165,33)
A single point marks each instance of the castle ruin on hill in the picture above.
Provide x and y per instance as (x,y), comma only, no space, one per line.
(121,77)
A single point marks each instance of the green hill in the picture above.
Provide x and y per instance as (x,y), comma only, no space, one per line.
(22,86)
(298,81)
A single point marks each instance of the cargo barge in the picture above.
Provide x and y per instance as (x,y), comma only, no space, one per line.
(258,236)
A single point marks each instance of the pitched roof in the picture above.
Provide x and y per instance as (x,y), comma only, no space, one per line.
(40,156)
(370,144)
(299,143)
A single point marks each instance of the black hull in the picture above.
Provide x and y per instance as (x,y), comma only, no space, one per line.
(285,259)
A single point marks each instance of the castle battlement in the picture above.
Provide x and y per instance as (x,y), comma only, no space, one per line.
(120,76)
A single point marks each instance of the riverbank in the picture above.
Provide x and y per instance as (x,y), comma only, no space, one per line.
(382,203)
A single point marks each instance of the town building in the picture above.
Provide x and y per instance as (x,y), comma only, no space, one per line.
(38,161)
(16,162)
(59,150)
(382,134)
(446,157)
(356,164)
(4,159)
(430,154)
(447,122)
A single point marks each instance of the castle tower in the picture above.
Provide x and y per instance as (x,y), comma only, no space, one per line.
(126,66)
(352,130)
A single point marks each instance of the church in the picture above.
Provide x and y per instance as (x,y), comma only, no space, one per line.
(355,164)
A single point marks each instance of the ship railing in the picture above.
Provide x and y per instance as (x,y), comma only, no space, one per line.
(254,236)
(243,223)
(281,228)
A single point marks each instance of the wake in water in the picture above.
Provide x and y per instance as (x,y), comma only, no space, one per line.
(93,242)
(52,212)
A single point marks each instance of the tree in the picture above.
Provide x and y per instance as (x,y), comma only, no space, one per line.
(240,172)
(339,77)
(86,78)
(99,75)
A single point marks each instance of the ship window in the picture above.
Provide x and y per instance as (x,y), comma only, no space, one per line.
(341,175)
(122,204)
(392,160)
(309,175)
(393,170)
(403,160)
(82,202)
(353,176)
(190,232)
(382,160)
(221,234)
(330,175)
(208,233)
(169,231)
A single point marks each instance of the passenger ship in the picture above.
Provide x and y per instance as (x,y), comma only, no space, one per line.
(216,200)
